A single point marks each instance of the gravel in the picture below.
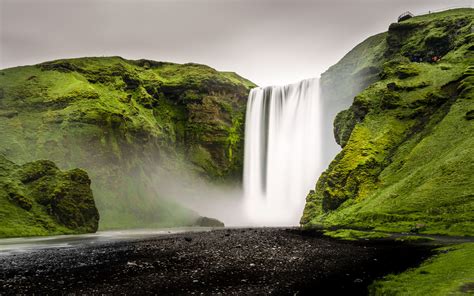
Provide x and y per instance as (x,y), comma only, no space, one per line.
(258,261)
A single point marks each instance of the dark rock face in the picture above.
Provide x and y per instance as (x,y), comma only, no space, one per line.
(39,199)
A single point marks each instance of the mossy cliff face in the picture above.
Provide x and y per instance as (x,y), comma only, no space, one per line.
(353,73)
(38,199)
(408,139)
(119,120)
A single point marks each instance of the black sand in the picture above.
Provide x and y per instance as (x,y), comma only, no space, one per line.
(221,262)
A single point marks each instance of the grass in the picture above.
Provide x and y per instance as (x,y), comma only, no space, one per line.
(355,71)
(450,272)
(118,120)
(351,234)
(407,164)
(39,199)
(414,238)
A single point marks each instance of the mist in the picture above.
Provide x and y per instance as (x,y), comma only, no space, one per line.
(209,199)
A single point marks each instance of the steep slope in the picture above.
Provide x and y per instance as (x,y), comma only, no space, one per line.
(408,139)
(39,199)
(120,120)
(340,83)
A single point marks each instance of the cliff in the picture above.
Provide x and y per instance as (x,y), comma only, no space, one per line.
(341,82)
(38,199)
(407,161)
(120,120)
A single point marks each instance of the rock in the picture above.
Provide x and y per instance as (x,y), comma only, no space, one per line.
(208,222)
(62,200)
(344,123)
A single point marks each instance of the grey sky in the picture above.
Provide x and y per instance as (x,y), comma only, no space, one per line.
(267,41)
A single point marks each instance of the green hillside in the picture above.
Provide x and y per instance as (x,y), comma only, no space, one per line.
(120,120)
(408,139)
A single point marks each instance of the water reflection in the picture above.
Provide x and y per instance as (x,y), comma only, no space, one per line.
(10,246)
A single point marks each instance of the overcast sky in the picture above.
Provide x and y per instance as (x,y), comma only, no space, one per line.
(267,41)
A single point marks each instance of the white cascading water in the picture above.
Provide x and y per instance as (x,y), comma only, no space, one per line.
(282,152)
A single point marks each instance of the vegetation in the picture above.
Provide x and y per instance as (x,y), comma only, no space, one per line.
(414,238)
(351,234)
(450,272)
(408,144)
(39,199)
(119,120)
(354,72)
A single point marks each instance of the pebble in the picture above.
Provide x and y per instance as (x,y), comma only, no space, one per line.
(171,266)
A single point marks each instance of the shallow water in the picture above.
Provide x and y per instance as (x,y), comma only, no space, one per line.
(10,246)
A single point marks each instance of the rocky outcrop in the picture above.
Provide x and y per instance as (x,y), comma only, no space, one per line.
(407,156)
(120,120)
(39,199)
(208,222)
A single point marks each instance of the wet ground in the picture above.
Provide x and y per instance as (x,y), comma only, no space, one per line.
(258,261)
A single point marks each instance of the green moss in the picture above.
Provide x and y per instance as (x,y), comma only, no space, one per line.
(406,71)
(450,272)
(407,155)
(18,198)
(39,199)
(119,120)
(431,34)
(414,238)
(344,123)
(355,71)
(350,234)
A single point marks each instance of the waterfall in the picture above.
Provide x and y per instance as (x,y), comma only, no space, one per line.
(282,153)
